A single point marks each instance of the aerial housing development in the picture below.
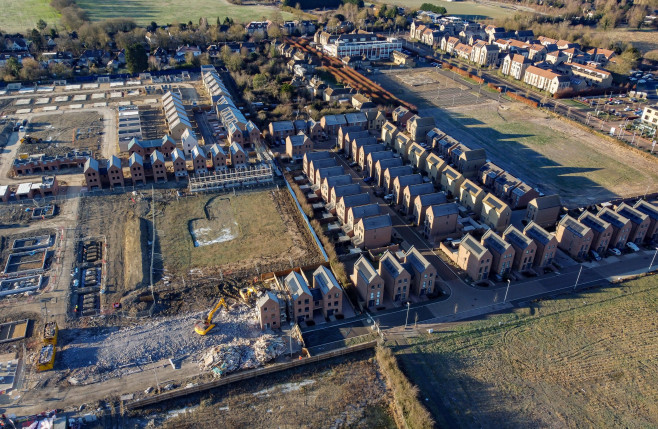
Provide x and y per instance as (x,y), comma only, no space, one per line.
(364,203)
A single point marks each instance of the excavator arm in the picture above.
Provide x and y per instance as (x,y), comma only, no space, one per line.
(202,327)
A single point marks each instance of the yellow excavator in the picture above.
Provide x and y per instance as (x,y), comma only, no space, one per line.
(203,326)
(247,293)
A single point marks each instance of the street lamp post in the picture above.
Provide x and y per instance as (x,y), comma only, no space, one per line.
(578,278)
(407,319)
(653,259)
(506,290)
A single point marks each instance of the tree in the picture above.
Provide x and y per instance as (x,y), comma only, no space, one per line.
(636,16)
(259,81)
(13,67)
(236,32)
(41,24)
(400,22)
(152,26)
(625,62)
(37,40)
(192,60)
(274,32)
(136,58)
(433,8)
(60,71)
(31,70)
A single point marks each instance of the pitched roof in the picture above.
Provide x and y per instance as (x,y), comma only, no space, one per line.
(473,246)
(355,200)
(495,243)
(647,208)
(516,237)
(324,278)
(444,209)
(297,284)
(573,226)
(390,263)
(376,222)
(431,199)
(269,295)
(547,202)
(613,218)
(416,259)
(629,212)
(538,233)
(365,210)
(364,269)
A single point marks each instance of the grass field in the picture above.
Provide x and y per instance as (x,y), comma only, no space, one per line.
(577,361)
(466,9)
(542,150)
(245,227)
(19,15)
(171,11)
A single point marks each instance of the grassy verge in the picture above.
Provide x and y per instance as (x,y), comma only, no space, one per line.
(408,407)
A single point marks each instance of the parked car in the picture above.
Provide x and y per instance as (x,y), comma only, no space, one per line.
(595,255)
(614,251)
(353,164)
(368,180)
(632,246)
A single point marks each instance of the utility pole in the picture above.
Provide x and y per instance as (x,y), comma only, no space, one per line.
(407,319)
(653,259)
(506,290)
(578,278)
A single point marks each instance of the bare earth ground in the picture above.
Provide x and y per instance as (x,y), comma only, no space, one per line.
(544,151)
(347,392)
(248,231)
(586,361)
(62,133)
(119,221)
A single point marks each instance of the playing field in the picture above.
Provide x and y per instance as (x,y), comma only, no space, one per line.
(544,151)
(172,11)
(582,361)
(19,15)
(466,9)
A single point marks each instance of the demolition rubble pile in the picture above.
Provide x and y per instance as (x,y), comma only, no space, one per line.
(94,355)
(242,353)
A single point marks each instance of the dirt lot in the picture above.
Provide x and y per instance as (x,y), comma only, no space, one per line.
(119,221)
(586,361)
(152,121)
(346,392)
(544,151)
(257,231)
(61,133)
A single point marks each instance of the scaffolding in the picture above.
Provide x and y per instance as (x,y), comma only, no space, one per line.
(231,178)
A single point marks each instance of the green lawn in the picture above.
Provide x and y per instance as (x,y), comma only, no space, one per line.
(171,11)
(466,9)
(585,360)
(19,15)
